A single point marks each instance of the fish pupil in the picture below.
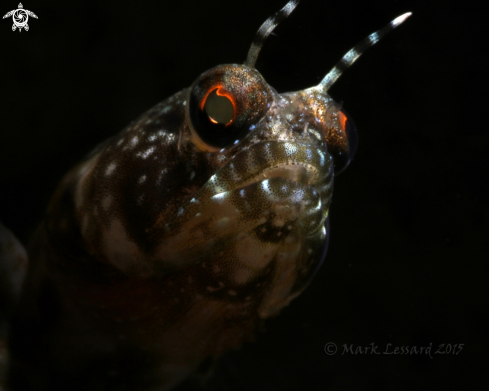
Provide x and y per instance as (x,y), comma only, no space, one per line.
(219,108)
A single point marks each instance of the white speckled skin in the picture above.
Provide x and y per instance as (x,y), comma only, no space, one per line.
(157,248)
(173,241)
(168,246)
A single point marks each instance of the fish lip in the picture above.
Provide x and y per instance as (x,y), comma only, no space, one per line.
(299,162)
(294,171)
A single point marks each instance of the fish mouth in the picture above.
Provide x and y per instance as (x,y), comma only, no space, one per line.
(304,164)
(298,172)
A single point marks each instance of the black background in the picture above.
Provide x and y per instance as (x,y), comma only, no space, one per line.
(410,216)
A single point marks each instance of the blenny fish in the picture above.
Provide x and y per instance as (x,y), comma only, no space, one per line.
(171,242)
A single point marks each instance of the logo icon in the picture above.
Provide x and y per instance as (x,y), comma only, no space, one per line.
(20,16)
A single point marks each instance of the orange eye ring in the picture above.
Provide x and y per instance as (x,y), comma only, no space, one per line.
(342,118)
(226,110)
(344,145)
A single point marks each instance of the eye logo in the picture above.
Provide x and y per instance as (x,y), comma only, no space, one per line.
(20,16)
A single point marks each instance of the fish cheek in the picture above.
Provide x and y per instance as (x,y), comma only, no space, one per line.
(263,253)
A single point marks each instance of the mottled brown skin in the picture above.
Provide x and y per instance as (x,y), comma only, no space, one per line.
(160,252)
(172,241)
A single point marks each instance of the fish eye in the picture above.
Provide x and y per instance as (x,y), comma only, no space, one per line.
(225,104)
(343,157)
